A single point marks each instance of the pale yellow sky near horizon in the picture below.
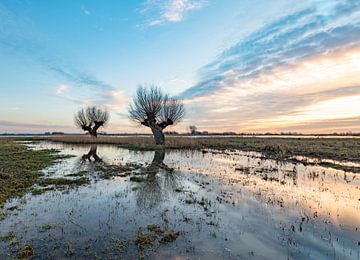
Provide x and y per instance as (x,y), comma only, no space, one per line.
(297,70)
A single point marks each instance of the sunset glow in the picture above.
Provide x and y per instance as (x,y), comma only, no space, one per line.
(296,70)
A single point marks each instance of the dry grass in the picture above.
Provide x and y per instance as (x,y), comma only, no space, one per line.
(131,142)
(334,148)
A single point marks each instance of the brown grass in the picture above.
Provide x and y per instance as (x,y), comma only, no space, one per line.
(332,148)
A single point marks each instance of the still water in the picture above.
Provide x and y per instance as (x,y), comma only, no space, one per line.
(214,205)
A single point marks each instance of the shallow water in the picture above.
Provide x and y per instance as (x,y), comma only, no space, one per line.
(225,205)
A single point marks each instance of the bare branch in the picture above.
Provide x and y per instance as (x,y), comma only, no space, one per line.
(91,119)
(151,106)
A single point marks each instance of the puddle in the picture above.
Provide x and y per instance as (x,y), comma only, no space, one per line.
(329,161)
(186,204)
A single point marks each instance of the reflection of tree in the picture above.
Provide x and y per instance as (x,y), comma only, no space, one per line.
(88,160)
(159,179)
(92,153)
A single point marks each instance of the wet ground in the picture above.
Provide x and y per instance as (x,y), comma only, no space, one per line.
(184,204)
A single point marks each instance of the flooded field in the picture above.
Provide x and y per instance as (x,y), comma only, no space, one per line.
(183,204)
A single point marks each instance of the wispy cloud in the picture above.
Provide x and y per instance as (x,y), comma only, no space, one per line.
(289,72)
(323,86)
(168,11)
(22,40)
(61,89)
(320,28)
(85,10)
(19,127)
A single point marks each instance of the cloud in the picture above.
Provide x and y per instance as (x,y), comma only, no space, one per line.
(20,39)
(168,11)
(85,10)
(315,88)
(320,28)
(340,125)
(17,127)
(61,89)
(75,76)
(300,69)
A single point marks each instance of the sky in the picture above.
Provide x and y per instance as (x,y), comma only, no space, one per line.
(247,66)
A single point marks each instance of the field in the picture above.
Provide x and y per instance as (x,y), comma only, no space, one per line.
(329,148)
(215,198)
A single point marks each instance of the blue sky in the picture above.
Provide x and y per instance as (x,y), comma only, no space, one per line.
(244,66)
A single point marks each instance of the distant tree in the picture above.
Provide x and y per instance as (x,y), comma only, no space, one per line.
(156,110)
(91,119)
(192,129)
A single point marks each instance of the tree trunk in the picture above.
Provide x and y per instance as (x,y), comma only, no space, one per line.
(159,136)
(93,133)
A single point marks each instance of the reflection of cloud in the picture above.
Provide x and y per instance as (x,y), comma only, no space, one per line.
(168,11)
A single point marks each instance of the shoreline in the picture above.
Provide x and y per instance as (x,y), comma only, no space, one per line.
(338,149)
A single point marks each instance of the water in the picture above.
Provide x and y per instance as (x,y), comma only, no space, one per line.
(222,205)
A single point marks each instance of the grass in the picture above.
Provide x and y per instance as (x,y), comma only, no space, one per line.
(26,252)
(63,181)
(331,148)
(20,168)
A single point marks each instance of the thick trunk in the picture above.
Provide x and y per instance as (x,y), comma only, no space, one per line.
(96,127)
(91,130)
(159,136)
(93,133)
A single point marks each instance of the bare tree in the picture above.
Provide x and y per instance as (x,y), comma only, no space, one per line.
(91,119)
(156,110)
(192,129)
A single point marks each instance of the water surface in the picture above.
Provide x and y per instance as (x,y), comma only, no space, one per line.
(220,205)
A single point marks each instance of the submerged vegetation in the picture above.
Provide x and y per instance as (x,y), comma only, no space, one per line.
(20,167)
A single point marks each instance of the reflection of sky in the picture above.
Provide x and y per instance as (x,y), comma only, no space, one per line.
(309,212)
(259,66)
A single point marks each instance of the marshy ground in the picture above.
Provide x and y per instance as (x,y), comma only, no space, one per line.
(273,199)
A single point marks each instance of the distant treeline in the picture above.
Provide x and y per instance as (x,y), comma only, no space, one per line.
(197,133)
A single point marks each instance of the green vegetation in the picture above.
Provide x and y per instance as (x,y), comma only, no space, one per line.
(26,252)
(45,227)
(38,191)
(20,167)
(63,181)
